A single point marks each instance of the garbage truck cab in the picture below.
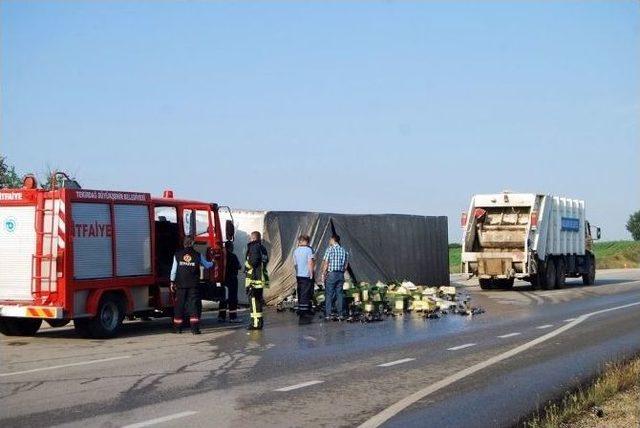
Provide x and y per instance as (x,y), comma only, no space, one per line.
(538,238)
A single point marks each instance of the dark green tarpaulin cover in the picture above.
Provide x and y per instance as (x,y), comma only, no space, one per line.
(382,247)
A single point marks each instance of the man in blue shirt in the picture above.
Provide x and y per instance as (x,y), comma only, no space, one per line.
(304,263)
(335,263)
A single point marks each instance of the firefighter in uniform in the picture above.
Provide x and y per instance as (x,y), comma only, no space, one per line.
(256,260)
(185,278)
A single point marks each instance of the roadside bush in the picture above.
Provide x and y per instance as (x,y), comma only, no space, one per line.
(633,225)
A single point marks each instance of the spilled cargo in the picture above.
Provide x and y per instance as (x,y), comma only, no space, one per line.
(367,302)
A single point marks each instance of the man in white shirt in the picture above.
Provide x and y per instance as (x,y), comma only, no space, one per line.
(304,263)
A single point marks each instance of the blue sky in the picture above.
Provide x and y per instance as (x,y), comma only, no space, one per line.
(357,108)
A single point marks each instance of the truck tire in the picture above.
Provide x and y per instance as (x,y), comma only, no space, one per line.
(549,275)
(536,281)
(561,273)
(107,321)
(19,326)
(7,326)
(486,284)
(589,278)
(81,325)
(505,284)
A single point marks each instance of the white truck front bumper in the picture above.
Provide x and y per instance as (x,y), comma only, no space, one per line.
(28,311)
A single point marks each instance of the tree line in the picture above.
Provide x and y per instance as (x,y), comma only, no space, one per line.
(11,179)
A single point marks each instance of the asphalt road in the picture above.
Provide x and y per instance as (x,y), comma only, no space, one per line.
(486,370)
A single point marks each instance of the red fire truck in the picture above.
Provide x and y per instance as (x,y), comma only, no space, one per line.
(96,256)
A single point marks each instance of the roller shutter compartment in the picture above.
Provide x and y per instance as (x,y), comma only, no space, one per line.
(133,240)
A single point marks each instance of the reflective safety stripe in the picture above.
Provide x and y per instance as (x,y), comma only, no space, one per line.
(35,312)
(256,283)
(177,320)
(255,315)
(194,319)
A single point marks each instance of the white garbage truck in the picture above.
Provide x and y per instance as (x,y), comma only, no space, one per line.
(538,238)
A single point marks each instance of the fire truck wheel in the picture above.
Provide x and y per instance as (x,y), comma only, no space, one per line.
(109,318)
(81,326)
(6,327)
(19,326)
(57,323)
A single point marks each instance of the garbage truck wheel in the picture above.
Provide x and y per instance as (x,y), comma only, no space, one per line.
(486,284)
(561,273)
(549,275)
(589,278)
(507,284)
(535,281)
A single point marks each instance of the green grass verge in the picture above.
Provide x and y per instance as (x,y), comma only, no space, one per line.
(617,254)
(616,378)
(455,250)
(609,255)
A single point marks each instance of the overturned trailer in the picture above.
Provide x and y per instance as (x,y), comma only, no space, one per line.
(383,247)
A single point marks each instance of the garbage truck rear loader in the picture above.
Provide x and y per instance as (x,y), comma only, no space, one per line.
(542,239)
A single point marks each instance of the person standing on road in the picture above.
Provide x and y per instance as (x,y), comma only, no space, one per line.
(230,303)
(256,260)
(185,279)
(304,263)
(335,263)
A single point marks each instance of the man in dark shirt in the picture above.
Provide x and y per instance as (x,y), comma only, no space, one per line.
(185,281)
(256,260)
(230,284)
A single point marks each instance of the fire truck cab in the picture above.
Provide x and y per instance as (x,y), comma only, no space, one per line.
(96,256)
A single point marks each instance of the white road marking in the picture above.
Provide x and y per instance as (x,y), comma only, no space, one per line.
(399,406)
(466,345)
(311,338)
(542,327)
(569,319)
(504,336)
(161,420)
(300,385)
(396,362)
(61,366)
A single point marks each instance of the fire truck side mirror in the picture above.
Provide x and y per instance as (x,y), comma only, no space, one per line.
(230,230)
(598,233)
